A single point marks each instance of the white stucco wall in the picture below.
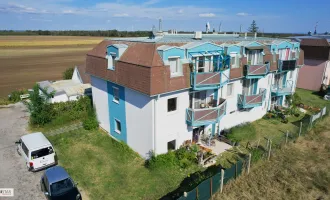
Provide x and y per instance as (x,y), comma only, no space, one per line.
(139,122)
(59,98)
(76,76)
(171,125)
(100,101)
(234,116)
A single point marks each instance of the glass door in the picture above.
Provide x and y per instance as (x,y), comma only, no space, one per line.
(197,100)
(250,86)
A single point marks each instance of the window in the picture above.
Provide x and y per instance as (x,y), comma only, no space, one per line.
(171,104)
(230,89)
(234,60)
(117,126)
(171,145)
(41,152)
(61,187)
(175,66)
(25,149)
(115,94)
(254,57)
(250,86)
(111,58)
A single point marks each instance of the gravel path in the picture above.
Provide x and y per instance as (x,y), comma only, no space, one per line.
(13,172)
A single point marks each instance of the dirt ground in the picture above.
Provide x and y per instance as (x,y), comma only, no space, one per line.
(22,66)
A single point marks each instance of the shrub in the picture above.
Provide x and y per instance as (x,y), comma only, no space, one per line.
(90,123)
(67,74)
(15,95)
(163,160)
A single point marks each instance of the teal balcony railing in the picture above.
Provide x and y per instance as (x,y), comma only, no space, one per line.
(279,90)
(251,101)
(287,65)
(205,116)
(209,80)
(256,71)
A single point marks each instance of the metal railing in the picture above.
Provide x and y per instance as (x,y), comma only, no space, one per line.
(282,89)
(204,116)
(209,79)
(257,70)
(250,101)
(287,65)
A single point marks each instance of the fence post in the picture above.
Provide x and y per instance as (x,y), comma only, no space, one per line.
(286,137)
(211,188)
(249,163)
(270,148)
(222,177)
(300,129)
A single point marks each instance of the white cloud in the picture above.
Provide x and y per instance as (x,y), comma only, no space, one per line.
(180,11)
(121,15)
(207,15)
(243,14)
(151,2)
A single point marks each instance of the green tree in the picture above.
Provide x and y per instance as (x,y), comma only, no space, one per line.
(253,27)
(39,107)
(67,74)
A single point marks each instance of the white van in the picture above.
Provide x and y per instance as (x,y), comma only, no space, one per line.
(37,151)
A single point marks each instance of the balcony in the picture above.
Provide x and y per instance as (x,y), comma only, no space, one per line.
(279,90)
(251,101)
(207,115)
(209,80)
(256,71)
(287,65)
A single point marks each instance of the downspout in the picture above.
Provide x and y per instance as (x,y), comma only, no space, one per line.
(155,124)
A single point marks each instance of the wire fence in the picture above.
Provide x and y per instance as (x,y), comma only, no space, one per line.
(214,178)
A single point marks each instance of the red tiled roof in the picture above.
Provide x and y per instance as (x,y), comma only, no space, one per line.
(315,42)
(82,72)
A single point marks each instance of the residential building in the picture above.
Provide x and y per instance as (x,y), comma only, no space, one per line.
(315,75)
(156,93)
(67,90)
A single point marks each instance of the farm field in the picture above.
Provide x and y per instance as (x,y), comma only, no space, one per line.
(25,60)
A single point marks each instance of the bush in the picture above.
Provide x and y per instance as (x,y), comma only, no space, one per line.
(67,74)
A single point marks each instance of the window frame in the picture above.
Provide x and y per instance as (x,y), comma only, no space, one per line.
(116,126)
(114,97)
(178,67)
(171,142)
(234,56)
(176,105)
(111,58)
(232,89)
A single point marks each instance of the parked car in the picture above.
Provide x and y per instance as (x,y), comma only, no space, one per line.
(37,151)
(56,184)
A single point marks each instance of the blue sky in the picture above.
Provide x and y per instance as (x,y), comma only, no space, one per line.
(271,16)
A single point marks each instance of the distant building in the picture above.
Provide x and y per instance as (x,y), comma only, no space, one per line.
(67,90)
(315,75)
(155,94)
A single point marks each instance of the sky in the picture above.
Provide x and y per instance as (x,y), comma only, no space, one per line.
(287,16)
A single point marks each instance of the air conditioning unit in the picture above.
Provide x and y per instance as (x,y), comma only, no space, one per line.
(198,35)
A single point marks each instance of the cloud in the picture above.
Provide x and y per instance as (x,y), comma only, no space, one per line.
(151,2)
(121,15)
(41,20)
(19,8)
(207,15)
(180,11)
(243,14)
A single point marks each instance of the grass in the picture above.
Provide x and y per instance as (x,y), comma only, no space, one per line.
(298,171)
(312,98)
(107,169)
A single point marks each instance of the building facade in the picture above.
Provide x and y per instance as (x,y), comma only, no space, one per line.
(155,94)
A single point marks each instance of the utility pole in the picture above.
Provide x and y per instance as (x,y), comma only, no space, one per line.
(220,27)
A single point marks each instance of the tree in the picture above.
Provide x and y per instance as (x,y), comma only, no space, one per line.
(39,107)
(67,74)
(253,27)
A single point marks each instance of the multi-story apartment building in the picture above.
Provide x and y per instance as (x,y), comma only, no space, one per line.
(156,93)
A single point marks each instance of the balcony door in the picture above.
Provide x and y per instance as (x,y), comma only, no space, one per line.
(250,86)
(203,63)
(280,80)
(254,57)
(197,100)
(284,54)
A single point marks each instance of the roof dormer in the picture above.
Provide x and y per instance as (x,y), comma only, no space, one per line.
(114,52)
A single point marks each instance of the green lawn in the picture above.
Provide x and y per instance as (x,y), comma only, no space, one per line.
(107,169)
(312,98)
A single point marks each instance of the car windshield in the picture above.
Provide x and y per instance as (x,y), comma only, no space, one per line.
(61,187)
(41,152)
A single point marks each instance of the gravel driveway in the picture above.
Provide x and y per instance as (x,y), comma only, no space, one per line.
(13,172)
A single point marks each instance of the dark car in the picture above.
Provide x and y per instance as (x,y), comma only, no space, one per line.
(56,184)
